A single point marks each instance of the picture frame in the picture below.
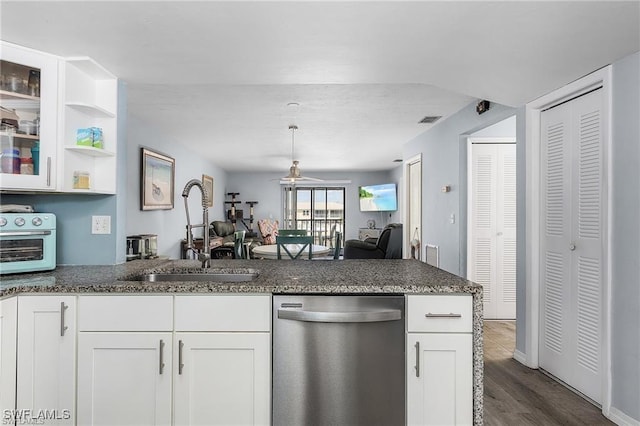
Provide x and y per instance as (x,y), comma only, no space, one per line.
(157,179)
(207,182)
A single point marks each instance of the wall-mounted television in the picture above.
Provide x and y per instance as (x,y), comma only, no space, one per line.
(379,198)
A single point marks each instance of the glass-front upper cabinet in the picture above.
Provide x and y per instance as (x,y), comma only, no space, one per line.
(29,118)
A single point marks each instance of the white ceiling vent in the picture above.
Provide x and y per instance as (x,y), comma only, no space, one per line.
(430,119)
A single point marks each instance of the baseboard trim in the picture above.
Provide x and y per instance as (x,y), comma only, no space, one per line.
(520,357)
(620,418)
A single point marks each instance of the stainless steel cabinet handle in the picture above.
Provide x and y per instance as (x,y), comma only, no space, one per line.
(365,316)
(48,171)
(161,355)
(63,327)
(180,364)
(451,315)
(417,367)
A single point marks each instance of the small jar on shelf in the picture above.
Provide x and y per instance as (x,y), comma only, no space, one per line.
(81,180)
(10,161)
(26,166)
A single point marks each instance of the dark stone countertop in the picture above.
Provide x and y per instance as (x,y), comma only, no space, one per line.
(344,276)
(274,276)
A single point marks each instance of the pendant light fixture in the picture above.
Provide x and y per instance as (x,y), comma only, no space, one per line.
(295,174)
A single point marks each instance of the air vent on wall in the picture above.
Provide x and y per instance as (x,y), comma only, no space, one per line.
(430,119)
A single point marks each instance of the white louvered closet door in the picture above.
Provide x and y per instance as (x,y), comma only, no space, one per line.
(571,243)
(492,259)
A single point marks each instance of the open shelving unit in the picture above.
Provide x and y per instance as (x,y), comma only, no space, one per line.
(90,100)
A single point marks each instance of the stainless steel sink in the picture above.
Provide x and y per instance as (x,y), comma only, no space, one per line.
(224,277)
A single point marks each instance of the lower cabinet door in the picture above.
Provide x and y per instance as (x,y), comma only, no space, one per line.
(439,379)
(8,330)
(124,378)
(222,379)
(46,358)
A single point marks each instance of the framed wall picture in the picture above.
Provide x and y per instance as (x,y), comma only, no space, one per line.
(157,175)
(207,182)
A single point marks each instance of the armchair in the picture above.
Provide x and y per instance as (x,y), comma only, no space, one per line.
(387,246)
(268,230)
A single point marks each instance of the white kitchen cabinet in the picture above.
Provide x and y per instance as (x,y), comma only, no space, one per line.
(222,378)
(439,360)
(90,99)
(8,330)
(222,360)
(30,90)
(46,356)
(124,359)
(63,95)
(124,378)
(217,370)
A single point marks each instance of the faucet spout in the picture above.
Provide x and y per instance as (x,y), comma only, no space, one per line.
(205,254)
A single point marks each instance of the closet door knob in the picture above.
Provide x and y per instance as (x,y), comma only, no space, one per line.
(572,246)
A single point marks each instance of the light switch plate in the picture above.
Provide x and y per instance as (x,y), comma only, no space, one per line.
(100,224)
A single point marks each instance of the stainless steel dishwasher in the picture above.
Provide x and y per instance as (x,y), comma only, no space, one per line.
(338,360)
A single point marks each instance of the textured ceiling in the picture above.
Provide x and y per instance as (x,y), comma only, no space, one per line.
(209,74)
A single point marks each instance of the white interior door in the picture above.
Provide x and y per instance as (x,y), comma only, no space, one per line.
(571,255)
(492,227)
(413,231)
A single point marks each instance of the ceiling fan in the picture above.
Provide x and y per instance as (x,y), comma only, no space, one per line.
(295,174)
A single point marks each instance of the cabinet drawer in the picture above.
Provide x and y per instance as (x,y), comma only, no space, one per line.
(223,313)
(125,313)
(439,314)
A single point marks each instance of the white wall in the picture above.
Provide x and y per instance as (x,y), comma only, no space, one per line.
(266,189)
(169,225)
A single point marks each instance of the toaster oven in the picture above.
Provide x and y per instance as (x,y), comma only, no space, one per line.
(27,242)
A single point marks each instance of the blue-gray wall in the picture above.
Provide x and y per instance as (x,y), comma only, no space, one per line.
(444,162)
(75,243)
(625,256)
(266,189)
(169,225)
(77,246)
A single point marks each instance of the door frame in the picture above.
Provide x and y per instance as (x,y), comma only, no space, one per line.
(406,246)
(470,141)
(533,110)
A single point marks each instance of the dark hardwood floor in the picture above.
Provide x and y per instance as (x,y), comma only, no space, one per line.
(517,395)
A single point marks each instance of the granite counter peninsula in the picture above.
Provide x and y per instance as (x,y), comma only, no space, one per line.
(69,286)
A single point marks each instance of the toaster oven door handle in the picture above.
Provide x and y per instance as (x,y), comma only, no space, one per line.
(23,233)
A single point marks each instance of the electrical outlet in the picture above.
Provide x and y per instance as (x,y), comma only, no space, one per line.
(100,224)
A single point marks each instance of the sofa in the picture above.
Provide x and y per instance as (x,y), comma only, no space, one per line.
(225,230)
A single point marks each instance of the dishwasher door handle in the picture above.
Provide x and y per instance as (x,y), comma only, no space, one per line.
(364,316)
